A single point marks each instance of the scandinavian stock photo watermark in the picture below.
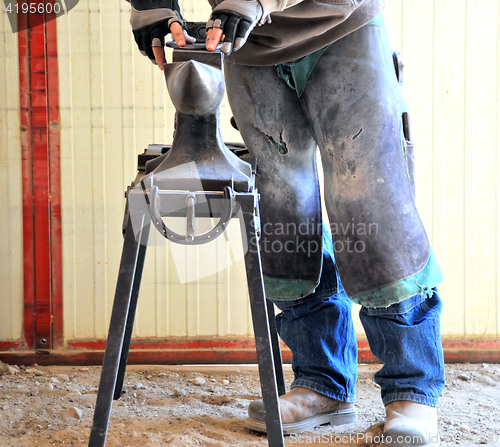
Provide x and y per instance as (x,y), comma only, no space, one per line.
(356,438)
(305,237)
(27,14)
(347,439)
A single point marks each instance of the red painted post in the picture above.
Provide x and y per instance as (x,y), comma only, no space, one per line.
(55,184)
(39,96)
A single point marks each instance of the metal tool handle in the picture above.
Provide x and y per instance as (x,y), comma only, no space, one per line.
(152,199)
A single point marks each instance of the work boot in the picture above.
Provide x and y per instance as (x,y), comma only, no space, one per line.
(303,409)
(410,424)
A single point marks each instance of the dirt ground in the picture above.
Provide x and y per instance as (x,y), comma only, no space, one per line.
(205,406)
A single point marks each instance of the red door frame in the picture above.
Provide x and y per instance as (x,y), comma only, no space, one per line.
(40,141)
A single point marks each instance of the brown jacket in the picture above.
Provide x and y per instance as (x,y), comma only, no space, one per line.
(300,27)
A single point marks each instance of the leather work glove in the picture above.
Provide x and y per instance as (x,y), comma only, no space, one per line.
(231,22)
(151,21)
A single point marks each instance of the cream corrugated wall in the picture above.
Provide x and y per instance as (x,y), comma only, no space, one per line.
(11,235)
(113,103)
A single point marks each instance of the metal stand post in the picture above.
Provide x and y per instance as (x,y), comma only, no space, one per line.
(266,340)
(120,331)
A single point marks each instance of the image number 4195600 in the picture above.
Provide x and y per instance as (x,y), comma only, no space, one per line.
(24,14)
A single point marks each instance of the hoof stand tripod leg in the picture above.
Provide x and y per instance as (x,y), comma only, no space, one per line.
(196,89)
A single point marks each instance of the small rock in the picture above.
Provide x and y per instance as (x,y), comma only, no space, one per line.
(199,381)
(179,392)
(225,382)
(54,380)
(464,377)
(73,412)
(12,370)
(73,392)
(140,386)
(34,371)
(219,400)
(464,428)
(63,378)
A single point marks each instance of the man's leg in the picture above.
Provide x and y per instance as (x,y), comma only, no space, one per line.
(353,101)
(406,338)
(319,331)
(320,334)
(276,133)
(317,325)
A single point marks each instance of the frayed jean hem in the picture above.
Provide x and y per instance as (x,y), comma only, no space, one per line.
(311,385)
(393,397)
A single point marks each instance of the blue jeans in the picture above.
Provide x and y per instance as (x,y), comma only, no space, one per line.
(405,337)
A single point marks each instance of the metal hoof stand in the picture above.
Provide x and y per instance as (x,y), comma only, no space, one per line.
(198,176)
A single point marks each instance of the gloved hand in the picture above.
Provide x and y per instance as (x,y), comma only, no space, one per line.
(232,21)
(151,21)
